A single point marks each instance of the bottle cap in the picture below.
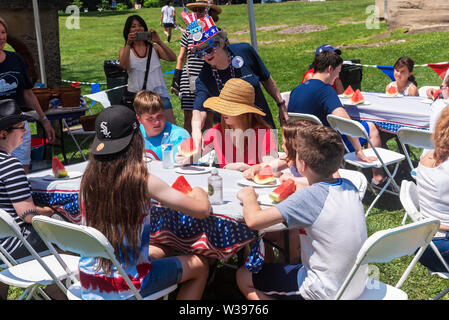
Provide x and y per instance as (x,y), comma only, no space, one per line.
(214,171)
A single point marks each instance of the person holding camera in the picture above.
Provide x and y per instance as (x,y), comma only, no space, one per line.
(141,58)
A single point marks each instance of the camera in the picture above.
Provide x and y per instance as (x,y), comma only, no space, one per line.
(143,36)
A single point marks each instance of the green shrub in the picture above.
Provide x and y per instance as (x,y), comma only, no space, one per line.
(78,3)
(122,6)
(152,3)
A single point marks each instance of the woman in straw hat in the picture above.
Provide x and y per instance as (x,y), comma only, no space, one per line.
(242,138)
(186,72)
(15,193)
(115,194)
(224,62)
(16,84)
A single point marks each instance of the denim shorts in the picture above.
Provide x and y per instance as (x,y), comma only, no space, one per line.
(361,140)
(278,280)
(164,273)
(23,152)
(430,260)
(166,102)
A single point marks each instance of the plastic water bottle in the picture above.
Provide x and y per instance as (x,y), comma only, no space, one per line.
(215,187)
(167,152)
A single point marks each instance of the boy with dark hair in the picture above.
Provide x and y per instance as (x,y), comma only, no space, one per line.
(317,97)
(328,250)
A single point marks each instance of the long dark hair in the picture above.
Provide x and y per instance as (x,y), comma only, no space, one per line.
(114,194)
(129,23)
(409,63)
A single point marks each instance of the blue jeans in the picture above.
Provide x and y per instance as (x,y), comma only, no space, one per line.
(166,102)
(430,260)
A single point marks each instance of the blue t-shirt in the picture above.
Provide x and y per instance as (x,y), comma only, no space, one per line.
(253,71)
(153,144)
(314,97)
(14,78)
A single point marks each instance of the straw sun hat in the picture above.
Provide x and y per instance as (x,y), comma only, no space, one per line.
(236,98)
(203,3)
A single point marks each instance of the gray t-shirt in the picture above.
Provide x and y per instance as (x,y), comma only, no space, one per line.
(334,229)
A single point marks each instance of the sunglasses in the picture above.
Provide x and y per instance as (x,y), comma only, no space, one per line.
(206,51)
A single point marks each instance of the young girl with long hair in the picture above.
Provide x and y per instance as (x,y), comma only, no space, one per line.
(405,80)
(115,195)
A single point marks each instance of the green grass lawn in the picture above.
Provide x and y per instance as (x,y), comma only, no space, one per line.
(287,56)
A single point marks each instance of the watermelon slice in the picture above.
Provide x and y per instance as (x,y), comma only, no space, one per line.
(264,176)
(59,171)
(187,148)
(391,91)
(283,191)
(357,97)
(182,185)
(348,92)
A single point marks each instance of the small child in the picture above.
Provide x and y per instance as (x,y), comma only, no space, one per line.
(328,251)
(405,80)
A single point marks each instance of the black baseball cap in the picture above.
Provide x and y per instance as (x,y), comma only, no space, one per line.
(10,114)
(114,129)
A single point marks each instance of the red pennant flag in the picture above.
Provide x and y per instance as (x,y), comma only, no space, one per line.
(440,68)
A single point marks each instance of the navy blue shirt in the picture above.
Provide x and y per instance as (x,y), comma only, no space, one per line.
(314,97)
(252,71)
(14,78)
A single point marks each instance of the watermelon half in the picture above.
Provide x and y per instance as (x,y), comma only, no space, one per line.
(59,171)
(283,191)
(264,176)
(348,92)
(187,148)
(391,91)
(182,185)
(357,97)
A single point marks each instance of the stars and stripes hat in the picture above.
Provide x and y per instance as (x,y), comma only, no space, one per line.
(200,30)
(114,129)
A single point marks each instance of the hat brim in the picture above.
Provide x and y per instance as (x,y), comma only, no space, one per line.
(9,121)
(229,108)
(106,146)
(214,7)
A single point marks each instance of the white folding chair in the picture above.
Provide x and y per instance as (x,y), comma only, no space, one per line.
(385,157)
(417,138)
(31,275)
(357,178)
(410,201)
(88,242)
(423,89)
(386,245)
(304,116)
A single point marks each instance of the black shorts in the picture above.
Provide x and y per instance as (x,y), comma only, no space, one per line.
(168,25)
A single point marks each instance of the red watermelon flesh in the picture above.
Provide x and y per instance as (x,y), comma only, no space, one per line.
(182,185)
(357,97)
(59,171)
(264,176)
(348,92)
(187,148)
(392,91)
(283,191)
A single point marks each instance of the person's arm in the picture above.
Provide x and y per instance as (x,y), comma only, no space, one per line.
(341,112)
(27,210)
(277,165)
(255,217)
(181,60)
(272,89)
(413,91)
(31,101)
(339,86)
(163,51)
(162,16)
(169,197)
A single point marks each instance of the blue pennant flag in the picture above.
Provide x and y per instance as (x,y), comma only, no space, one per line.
(388,70)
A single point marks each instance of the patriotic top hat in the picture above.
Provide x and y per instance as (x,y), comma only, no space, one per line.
(200,30)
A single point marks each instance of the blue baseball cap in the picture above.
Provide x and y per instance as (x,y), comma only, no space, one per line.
(327,47)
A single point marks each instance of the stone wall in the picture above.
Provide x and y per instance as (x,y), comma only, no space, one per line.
(417,13)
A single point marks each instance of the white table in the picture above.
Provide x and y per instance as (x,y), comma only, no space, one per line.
(390,114)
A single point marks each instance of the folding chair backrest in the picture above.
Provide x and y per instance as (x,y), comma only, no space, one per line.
(8,227)
(347,126)
(304,116)
(410,199)
(415,137)
(286,97)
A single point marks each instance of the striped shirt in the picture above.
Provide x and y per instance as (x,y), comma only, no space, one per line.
(14,187)
(195,65)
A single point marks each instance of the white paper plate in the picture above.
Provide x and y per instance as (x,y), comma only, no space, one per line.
(352,104)
(384,95)
(343,97)
(264,199)
(193,170)
(246,182)
(70,175)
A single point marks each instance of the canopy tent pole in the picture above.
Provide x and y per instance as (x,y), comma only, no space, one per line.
(252,24)
(40,49)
